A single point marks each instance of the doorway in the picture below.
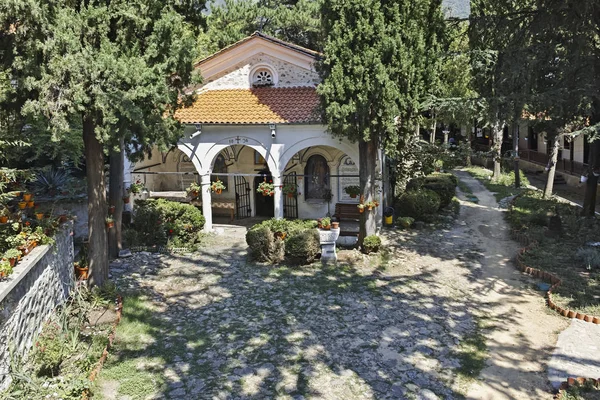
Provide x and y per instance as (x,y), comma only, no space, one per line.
(265,205)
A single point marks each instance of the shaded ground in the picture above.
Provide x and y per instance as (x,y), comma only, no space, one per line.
(398,325)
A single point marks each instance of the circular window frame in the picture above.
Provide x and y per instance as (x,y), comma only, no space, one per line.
(263,67)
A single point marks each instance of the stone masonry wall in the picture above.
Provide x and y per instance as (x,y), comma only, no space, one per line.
(40,281)
(237,77)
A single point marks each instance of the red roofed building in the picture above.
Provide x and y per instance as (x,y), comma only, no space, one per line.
(256,118)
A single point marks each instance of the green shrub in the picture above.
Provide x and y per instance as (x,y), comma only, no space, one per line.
(303,246)
(421,204)
(260,241)
(443,184)
(371,244)
(405,222)
(589,256)
(49,350)
(162,222)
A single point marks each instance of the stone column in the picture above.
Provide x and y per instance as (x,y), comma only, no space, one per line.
(206,201)
(278,197)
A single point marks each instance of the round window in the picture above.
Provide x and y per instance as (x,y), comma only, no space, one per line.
(263,78)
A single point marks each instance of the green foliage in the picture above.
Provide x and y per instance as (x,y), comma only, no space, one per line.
(325,222)
(589,256)
(298,247)
(352,190)
(166,223)
(405,222)
(422,204)
(371,244)
(443,184)
(503,186)
(50,181)
(303,246)
(297,22)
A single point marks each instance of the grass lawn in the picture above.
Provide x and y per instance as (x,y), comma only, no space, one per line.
(558,254)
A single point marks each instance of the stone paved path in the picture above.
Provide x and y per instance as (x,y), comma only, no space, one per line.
(577,353)
(237,330)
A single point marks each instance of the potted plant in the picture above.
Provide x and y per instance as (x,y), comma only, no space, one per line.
(136,187)
(111,210)
(5,269)
(289,189)
(110,222)
(371,205)
(81,270)
(22,205)
(217,187)
(27,197)
(371,244)
(361,208)
(352,191)
(39,215)
(12,255)
(326,223)
(4,213)
(266,188)
(126,199)
(335,224)
(30,204)
(193,190)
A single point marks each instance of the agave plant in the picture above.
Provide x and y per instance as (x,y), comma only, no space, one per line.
(50,181)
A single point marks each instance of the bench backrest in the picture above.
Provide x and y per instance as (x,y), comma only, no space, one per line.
(347,211)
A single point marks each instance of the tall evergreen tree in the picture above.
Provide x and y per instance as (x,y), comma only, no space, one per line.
(376,73)
(118,66)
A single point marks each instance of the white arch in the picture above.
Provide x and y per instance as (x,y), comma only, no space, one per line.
(216,148)
(317,141)
(192,152)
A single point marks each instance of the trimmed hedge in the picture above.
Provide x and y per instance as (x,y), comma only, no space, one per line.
(422,204)
(371,244)
(165,223)
(300,246)
(443,184)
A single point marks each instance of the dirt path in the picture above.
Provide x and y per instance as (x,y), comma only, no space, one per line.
(524,331)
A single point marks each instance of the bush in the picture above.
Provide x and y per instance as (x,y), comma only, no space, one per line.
(589,256)
(162,222)
(371,244)
(300,246)
(405,222)
(443,184)
(420,204)
(303,246)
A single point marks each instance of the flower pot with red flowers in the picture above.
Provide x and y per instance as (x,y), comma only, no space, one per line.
(136,187)
(27,197)
(290,190)
(361,208)
(126,199)
(110,222)
(352,191)
(266,188)
(217,187)
(193,190)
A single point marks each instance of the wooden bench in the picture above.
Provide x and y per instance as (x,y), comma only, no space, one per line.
(347,212)
(227,205)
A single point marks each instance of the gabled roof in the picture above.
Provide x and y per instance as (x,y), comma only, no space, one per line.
(260,35)
(291,105)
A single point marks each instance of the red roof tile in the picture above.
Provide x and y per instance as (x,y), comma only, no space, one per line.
(293,105)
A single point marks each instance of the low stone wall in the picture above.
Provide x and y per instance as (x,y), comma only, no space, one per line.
(40,281)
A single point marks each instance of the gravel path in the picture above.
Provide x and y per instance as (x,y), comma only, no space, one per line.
(385,327)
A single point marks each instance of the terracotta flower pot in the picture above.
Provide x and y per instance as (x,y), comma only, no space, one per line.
(335,225)
(109,225)
(290,195)
(369,208)
(126,200)
(361,210)
(571,314)
(111,209)
(327,227)
(12,261)
(3,219)
(81,273)
(30,204)
(219,191)
(22,205)
(39,216)
(352,196)
(27,197)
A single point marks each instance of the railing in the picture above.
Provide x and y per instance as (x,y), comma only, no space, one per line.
(563,165)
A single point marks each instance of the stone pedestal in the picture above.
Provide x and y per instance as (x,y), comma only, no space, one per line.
(327,240)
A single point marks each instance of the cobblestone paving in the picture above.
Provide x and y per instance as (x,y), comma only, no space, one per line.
(238,330)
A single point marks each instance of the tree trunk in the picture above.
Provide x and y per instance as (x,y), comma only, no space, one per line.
(98,248)
(497,150)
(115,192)
(591,186)
(367,173)
(552,166)
(516,150)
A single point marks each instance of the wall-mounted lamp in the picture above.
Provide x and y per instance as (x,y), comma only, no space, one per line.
(198,131)
(273,131)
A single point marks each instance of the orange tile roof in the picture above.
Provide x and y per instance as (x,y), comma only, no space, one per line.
(292,105)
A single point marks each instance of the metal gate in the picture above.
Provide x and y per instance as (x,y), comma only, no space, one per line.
(242,197)
(290,204)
